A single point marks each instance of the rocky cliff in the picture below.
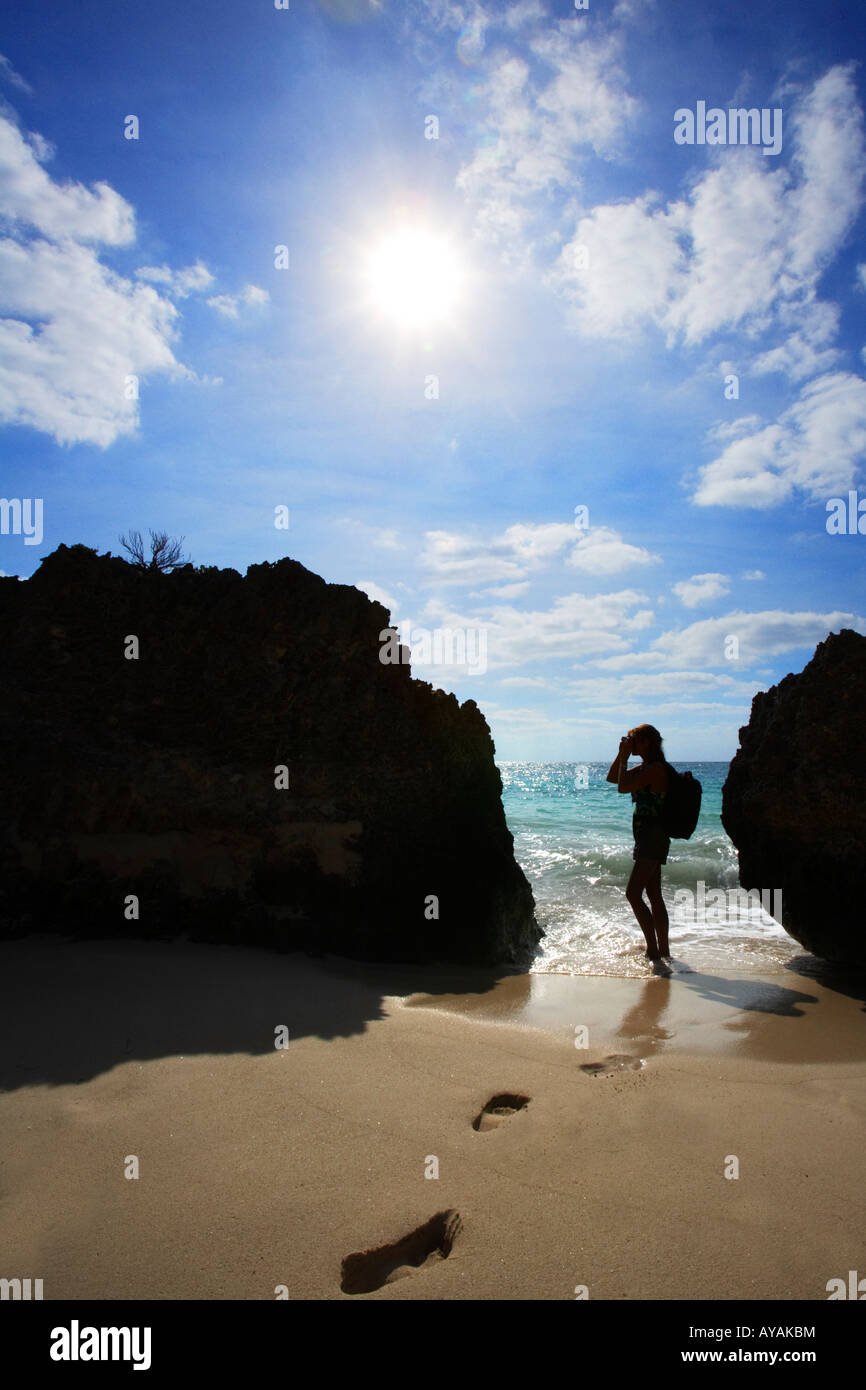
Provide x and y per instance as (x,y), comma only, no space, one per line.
(794,804)
(253,774)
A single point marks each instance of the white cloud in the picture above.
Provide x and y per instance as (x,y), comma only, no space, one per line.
(383,538)
(534,542)
(632,661)
(538,126)
(734,429)
(586,100)
(253,294)
(455,559)
(602,551)
(829,152)
(68,376)
(632,262)
(796,358)
(42,148)
(526,547)
(506,590)
(753,574)
(759,636)
(378,595)
(68,211)
(632,9)
(701,588)
(229,305)
(8,72)
(639,688)
(525,12)
(191,280)
(76,338)
(386,538)
(525,720)
(744,249)
(225,304)
(806,351)
(815,445)
(735,223)
(578,626)
(645,617)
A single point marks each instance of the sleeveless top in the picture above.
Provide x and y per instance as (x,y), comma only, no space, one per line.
(648,806)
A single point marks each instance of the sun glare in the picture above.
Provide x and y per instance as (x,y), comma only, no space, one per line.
(414,278)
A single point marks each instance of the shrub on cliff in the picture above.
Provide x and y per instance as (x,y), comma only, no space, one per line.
(166,553)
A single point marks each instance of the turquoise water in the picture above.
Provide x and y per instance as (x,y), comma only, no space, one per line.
(573,839)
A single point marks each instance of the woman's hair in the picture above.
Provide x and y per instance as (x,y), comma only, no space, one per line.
(653,738)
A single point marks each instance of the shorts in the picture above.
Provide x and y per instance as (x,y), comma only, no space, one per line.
(651,841)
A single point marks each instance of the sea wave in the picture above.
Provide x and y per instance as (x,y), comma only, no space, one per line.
(572,837)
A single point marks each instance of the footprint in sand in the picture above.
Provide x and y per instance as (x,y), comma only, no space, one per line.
(619,1061)
(371,1269)
(499,1109)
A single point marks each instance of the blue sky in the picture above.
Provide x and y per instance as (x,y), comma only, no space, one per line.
(510,295)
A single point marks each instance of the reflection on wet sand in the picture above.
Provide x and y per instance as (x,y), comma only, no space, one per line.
(762,1018)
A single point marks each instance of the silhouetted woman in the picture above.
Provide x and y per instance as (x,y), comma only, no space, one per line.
(648,785)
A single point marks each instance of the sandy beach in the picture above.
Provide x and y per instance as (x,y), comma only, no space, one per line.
(264,1167)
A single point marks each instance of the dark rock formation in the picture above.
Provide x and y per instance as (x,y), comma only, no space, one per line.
(794,802)
(157,777)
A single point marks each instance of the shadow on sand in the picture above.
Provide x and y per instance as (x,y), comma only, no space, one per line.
(73,1009)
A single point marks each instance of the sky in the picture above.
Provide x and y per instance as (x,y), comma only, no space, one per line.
(544,326)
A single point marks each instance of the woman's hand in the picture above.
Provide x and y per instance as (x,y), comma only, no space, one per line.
(617,767)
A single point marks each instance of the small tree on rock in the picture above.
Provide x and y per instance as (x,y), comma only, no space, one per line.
(166,553)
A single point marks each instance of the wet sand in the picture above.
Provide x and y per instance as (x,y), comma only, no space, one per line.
(263,1168)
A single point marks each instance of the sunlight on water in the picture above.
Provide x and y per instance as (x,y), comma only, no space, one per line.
(573,839)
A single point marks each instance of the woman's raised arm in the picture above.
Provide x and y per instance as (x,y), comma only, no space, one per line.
(617,767)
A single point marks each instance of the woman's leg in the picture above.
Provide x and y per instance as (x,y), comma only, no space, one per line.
(659,911)
(640,876)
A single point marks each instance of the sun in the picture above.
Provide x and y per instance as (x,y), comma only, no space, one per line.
(414,278)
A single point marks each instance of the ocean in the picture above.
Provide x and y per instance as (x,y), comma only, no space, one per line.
(573,839)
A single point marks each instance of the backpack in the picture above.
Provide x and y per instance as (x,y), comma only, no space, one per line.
(682,804)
